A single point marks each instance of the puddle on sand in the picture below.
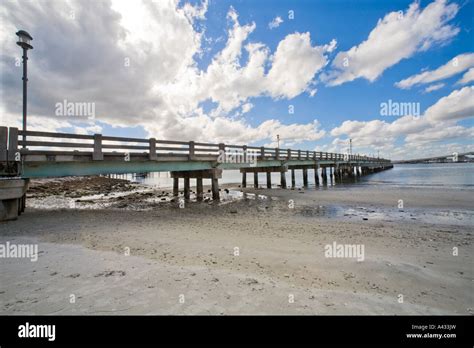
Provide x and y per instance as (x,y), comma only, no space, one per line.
(319,211)
(432,216)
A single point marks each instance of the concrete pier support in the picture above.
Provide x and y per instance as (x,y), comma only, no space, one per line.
(305,177)
(213,174)
(283,180)
(268,172)
(293,179)
(187,188)
(324,175)
(244,179)
(316,175)
(199,189)
(12,198)
(215,188)
(175,187)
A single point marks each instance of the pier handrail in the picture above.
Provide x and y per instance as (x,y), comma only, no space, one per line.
(11,142)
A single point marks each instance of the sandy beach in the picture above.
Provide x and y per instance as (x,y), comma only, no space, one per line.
(135,251)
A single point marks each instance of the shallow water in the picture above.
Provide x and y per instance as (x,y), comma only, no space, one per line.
(447,175)
(431,216)
(435,175)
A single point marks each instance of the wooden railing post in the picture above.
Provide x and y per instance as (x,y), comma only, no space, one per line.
(288,154)
(244,148)
(12,144)
(3,143)
(191,151)
(222,147)
(152,155)
(97,155)
(307,154)
(299,154)
(262,153)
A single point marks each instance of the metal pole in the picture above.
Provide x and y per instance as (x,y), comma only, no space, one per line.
(25,80)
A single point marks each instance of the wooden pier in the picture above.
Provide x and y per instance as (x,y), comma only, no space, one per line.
(34,154)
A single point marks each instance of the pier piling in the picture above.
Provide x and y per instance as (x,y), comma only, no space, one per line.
(305,177)
(283,180)
(175,186)
(199,189)
(215,188)
(316,175)
(187,190)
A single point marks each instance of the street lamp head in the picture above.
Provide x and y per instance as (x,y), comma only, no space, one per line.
(24,39)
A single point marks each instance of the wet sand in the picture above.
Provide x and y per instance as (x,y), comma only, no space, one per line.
(185,261)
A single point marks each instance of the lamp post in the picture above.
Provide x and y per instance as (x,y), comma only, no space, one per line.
(278,139)
(24,40)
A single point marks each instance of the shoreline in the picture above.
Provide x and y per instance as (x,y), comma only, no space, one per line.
(191,252)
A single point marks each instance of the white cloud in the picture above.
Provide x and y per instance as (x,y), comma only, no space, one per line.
(440,133)
(436,124)
(330,46)
(219,129)
(456,106)
(230,83)
(397,36)
(455,66)
(427,149)
(247,107)
(467,77)
(434,87)
(295,63)
(275,23)
(137,62)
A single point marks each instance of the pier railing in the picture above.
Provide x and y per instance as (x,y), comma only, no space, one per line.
(98,146)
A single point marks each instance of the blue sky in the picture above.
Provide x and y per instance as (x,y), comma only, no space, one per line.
(349,22)
(195,56)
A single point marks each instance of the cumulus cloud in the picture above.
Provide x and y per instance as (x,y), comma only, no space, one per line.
(399,35)
(467,77)
(275,23)
(456,106)
(455,66)
(247,107)
(295,63)
(137,62)
(436,124)
(434,87)
(422,150)
(441,133)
